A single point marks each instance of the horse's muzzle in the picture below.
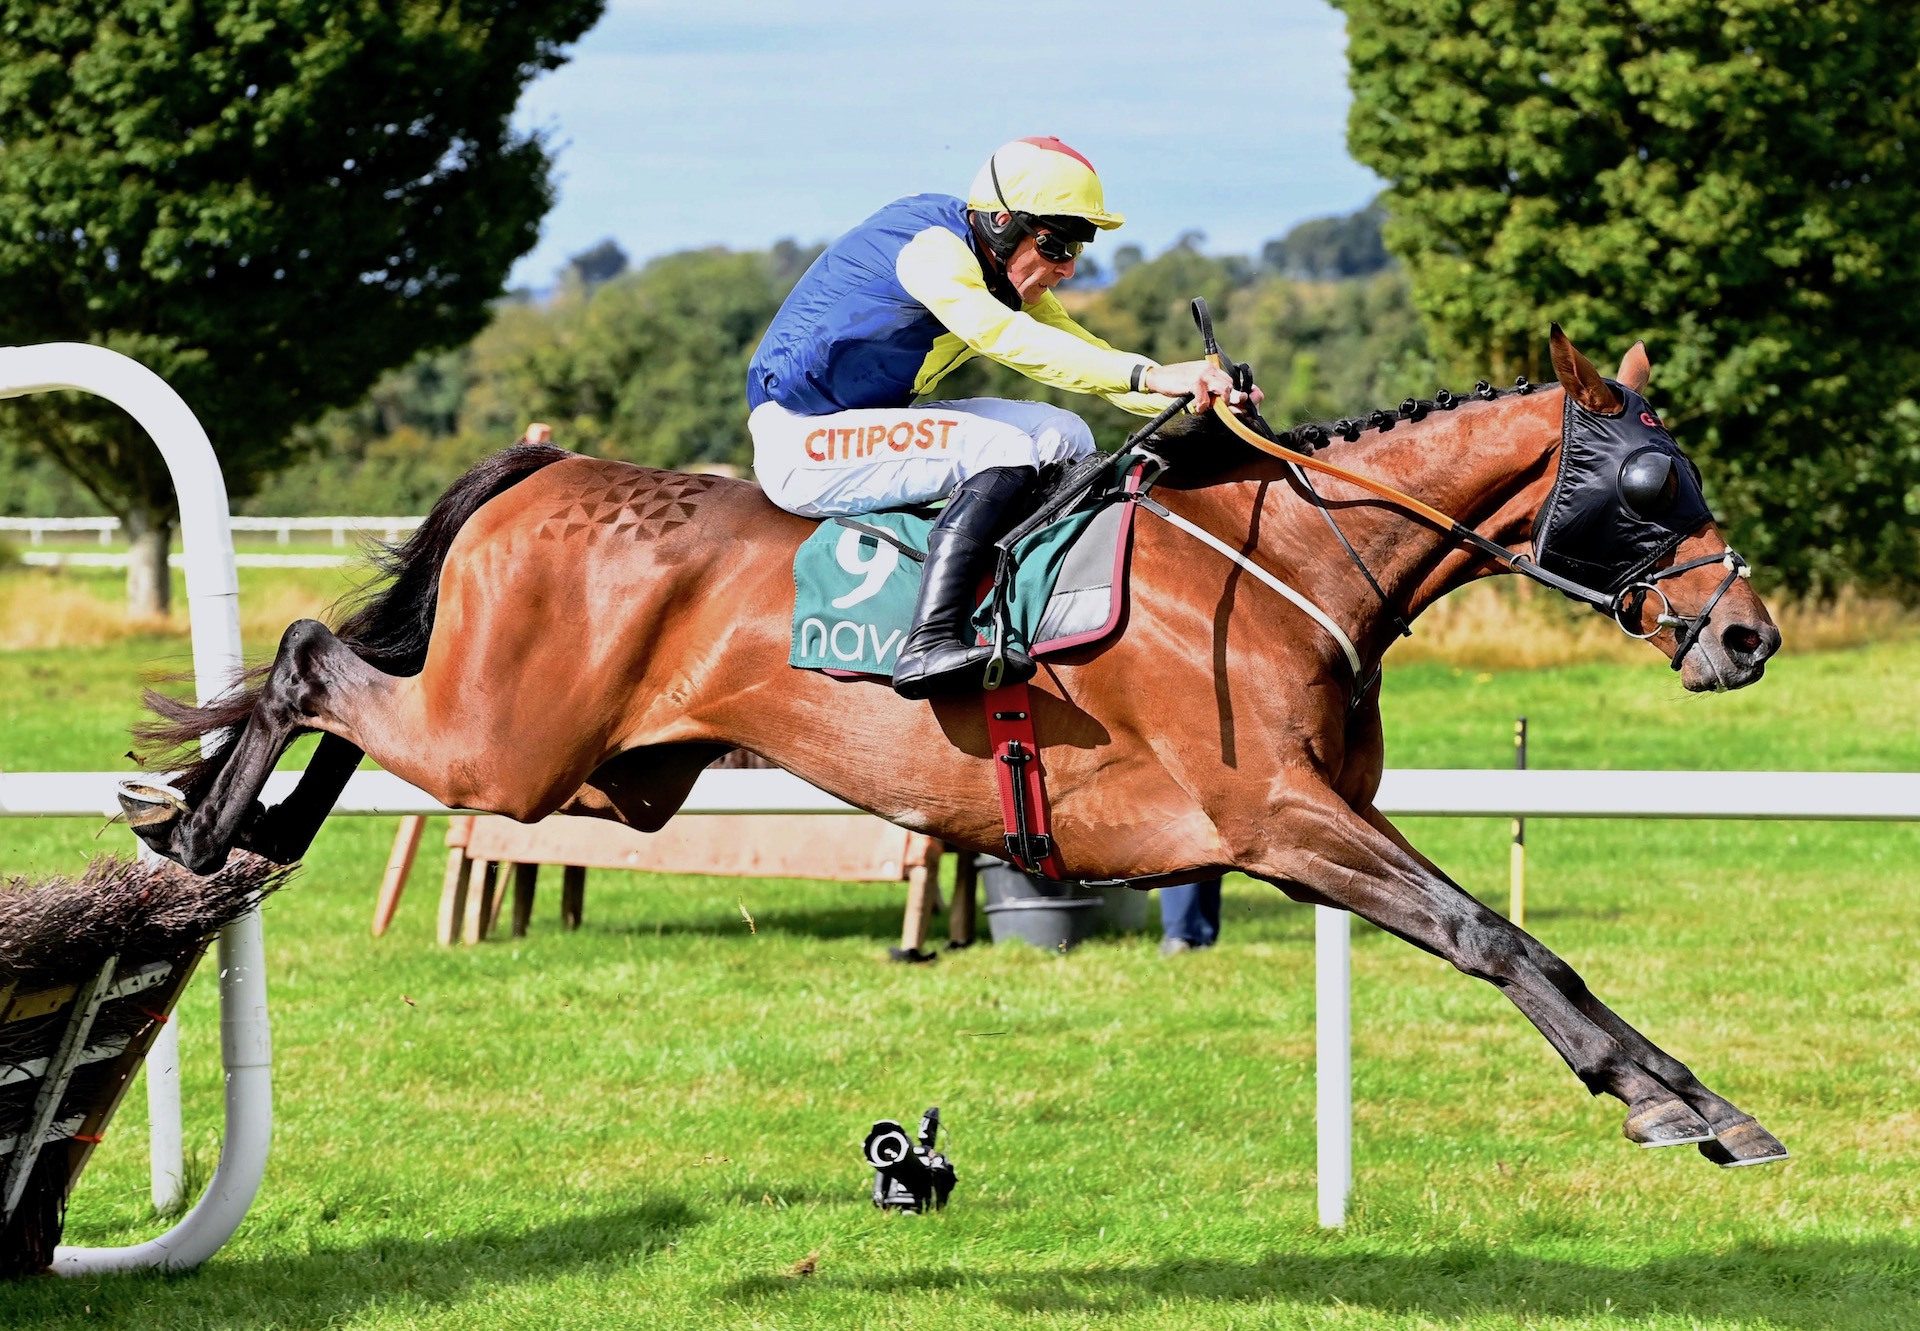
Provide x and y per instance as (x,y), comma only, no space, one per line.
(1730,656)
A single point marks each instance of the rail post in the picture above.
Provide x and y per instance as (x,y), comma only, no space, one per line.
(1517,855)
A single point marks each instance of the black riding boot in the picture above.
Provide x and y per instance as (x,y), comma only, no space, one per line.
(940,655)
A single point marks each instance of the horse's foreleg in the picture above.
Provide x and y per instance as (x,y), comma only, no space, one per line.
(1739,1140)
(1323,851)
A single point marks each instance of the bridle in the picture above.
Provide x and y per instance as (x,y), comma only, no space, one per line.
(1627,596)
(1690,626)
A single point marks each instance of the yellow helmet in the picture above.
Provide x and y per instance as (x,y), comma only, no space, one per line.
(1042,177)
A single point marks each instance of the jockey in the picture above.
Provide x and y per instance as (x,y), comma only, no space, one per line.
(837,388)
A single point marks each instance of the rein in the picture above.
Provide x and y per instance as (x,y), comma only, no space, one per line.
(1628,599)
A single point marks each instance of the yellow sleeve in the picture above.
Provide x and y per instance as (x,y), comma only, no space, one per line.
(1049,311)
(938,269)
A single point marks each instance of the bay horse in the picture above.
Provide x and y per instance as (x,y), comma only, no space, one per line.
(568,634)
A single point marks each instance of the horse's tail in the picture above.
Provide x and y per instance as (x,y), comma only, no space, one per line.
(387,623)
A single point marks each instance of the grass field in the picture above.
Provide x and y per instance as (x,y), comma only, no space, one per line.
(652,1121)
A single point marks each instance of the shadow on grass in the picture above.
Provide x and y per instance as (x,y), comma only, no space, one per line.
(877,922)
(1276,919)
(1817,1285)
(1567,911)
(335,1286)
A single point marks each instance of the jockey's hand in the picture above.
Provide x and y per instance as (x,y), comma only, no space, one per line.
(1207,383)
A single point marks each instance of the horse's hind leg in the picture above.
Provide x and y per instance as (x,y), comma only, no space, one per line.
(284,831)
(310,662)
(1738,1138)
(473,730)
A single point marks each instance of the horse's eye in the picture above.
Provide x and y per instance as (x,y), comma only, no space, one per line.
(1649,482)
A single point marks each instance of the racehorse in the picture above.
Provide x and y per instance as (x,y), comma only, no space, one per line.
(568,634)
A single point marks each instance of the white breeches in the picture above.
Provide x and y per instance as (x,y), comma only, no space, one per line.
(890,457)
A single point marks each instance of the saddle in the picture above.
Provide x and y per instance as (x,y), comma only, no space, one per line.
(1059,582)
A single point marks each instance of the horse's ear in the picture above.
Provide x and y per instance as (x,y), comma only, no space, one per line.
(1634,368)
(1582,382)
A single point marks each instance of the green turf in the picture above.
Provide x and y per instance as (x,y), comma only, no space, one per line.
(650,1121)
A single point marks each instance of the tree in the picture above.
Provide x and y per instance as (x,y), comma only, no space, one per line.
(1733,182)
(1148,308)
(789,259)
(652,367)
(268,202)
(1328,349)
(597,264)
(1326,249)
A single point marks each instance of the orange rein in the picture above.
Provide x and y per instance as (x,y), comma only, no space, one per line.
(1232,421)
(1521,564)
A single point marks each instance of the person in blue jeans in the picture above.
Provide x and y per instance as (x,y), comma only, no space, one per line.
(1189,916)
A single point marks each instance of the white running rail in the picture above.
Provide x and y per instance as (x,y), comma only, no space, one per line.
(1408,792)
(120,559)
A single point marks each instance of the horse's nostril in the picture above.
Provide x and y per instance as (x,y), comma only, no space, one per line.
(1741,639)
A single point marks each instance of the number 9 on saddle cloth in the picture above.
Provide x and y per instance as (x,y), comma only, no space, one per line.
(856,579)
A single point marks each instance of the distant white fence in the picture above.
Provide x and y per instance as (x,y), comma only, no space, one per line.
(93,559)
(37,528)
(107,529)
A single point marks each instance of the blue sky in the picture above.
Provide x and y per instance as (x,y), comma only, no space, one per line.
(737,122)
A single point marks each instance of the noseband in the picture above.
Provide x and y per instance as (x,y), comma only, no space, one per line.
(1631,598)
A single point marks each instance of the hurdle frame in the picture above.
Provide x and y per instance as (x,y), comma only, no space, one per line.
(213,612)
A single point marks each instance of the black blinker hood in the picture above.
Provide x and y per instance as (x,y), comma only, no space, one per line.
(1587,531)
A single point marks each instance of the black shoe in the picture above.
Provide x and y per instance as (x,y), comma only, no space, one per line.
(940,655)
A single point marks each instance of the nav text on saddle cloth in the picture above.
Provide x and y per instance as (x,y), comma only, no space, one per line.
(855,581)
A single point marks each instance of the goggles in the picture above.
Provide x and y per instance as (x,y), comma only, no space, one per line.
(1051,245)
(1055,248)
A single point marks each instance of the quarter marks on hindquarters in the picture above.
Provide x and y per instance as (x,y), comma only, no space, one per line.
(641,506)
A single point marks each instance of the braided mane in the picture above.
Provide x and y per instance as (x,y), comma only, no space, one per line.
(1311,436)
(1207,447)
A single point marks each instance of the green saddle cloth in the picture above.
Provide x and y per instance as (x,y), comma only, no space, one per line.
(854,590)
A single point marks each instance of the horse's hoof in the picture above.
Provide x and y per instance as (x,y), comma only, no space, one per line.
(1667,1123)
(149,805)
(1745,1143)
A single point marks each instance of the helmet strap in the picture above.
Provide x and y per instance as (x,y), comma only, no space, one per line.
(996,241)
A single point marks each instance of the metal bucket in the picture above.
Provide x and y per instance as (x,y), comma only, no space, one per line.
(1082,911)
(1055,923)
